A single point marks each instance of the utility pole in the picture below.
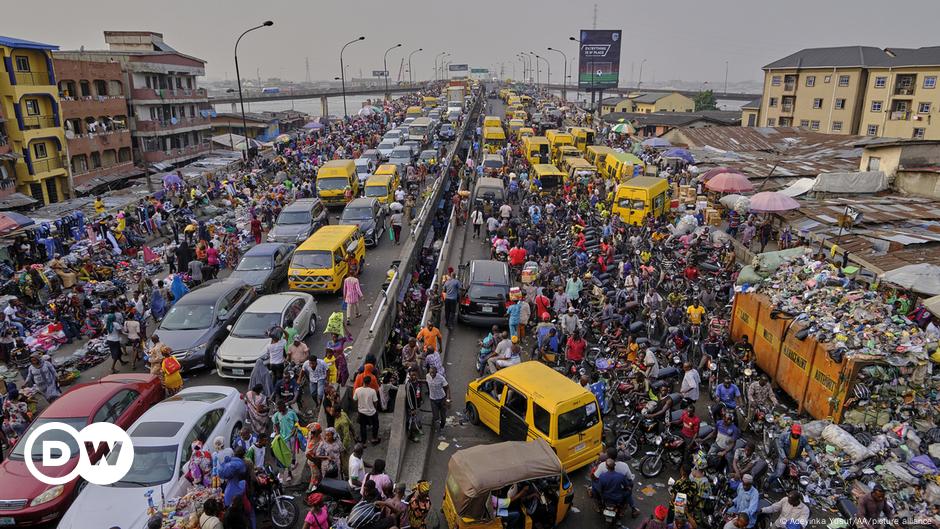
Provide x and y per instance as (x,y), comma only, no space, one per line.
(594,26)
(726,77)
(307,64)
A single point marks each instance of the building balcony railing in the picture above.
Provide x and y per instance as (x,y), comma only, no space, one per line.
(82,171)
(47,164)
(159,156)
(38,122)
(900,115)
(94,141)
(789,87)
(904,91)
(93,106)
(168,93)
(786,108)
(32,78)
(158,125)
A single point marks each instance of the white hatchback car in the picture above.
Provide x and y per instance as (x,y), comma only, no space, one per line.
(163,438)
(249,336)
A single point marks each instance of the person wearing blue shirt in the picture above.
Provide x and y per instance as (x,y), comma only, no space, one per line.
(515,315)
(726,435)
(746,499)
(610,487)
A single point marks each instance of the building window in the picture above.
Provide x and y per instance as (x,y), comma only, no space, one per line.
(96,160)
(843,80)
(39,150)
(827,79)
(814,124)
(810,80)
(32,107)
(876,106)
(772,102)
(840,103)
(923,108)
(22,63)
(881,82)
(817,103)
(930,81)
(836,126)
(804,123)
(918,133)
(872,130)
(771,122)
(775,80)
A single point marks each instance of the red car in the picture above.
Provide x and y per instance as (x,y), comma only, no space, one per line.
(118,399)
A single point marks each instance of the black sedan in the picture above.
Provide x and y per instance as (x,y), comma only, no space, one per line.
(265,265)
(371,217)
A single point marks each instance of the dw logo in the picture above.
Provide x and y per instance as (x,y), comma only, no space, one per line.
(56,453)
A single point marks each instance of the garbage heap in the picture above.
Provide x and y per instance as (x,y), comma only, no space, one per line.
(889,432)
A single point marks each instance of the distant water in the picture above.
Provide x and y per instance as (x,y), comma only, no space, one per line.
(310,106)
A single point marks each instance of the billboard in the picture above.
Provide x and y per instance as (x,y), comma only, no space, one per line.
(458,67)
(379,73)
(479,70)
(599,59)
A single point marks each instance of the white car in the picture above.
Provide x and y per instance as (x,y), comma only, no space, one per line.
(249,336)
(163,438)
(386,147)
(394,134)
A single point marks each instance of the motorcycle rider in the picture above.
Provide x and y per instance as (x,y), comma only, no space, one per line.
(569,323)
(623,468)
(759,394)
(792,446)
(727,396)
(792,510)
(746,500)
(611,487)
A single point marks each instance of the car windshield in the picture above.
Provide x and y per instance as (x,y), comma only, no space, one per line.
(255,262)
(330,184)
(489,292)
(153,465)
(374,192)
(495,164)
(387,145)
(313,259)
(50,435)
(296,217)
(403,155)
(360,213)
(255,324)
(577,420)
(188,317)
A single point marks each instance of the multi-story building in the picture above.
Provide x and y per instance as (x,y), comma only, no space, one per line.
(169,113)
(647,103)
(95,119)
(34,154)
(858,90)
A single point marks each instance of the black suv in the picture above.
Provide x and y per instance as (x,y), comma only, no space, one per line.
(196,324)
(486,285)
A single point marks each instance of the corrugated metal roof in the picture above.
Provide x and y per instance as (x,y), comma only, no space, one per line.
(12,42)
(859,56)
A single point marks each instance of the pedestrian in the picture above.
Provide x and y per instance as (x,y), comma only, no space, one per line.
(41,375)
(366,400)
(452,289)
(172,379)
(476,218)
(396,221)
(134,337)
(274,352)
(352,294)
(439,395)
(114,323)
(256,229)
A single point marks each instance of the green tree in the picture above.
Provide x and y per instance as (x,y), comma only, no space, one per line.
(705,101)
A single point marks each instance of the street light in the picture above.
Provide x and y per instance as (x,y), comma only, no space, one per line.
(639,80)
(385,67)
(411,78)
(548,65)
(443,62)
(436,57)
(241,100)
(564,80)
(342,73)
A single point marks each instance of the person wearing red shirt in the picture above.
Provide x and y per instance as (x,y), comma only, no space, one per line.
(580,241)
(517,256)
(691,273)
(542,304)
(690,426)
(574,349)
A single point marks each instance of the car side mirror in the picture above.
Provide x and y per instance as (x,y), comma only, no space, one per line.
(228,328)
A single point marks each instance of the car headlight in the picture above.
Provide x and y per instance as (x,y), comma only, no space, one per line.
(301,237)
(185,353)
(47,496)
(271,236)
(370,232)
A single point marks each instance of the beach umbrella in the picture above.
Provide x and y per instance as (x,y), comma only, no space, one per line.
(657,143)
(680,154)
(313,125)
(772,201)
(739,203)
(283,138)
(623,128)
(252,143)
(172,179)
(729,183)
(12,221)
(714,171)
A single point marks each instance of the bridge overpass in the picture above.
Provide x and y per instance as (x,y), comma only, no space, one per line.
(322,94)
(734,96)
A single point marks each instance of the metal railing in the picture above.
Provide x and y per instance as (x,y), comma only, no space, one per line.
(47,164)
(904,91)
(39,122)
(32,78)
(900,115)
(165,124)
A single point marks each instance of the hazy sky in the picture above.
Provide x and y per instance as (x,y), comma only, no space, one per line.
(680,39)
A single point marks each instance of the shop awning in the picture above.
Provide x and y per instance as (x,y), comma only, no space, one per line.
(11,156)
(16,200)
(11,221)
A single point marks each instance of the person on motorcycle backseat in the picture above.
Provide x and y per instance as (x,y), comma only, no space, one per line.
(500,245)
(690,272)
(793,512)
(792,447)
(517,256)
(611,487)
(620,467)
(674,297)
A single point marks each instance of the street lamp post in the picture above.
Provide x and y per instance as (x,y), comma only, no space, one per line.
(564,79)
(385,68)
(639,79)
(436,57)
(411,79)
(241,99)
(538,71)
(548,65)
(342,73)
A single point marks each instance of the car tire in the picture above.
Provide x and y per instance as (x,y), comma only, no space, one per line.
(472,415)
(313,325)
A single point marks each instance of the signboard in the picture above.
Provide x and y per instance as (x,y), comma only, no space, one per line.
(479,70)
(599,59)
(379,73)
(458,67)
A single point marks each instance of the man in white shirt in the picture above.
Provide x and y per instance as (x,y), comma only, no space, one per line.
(505,211)
(366,400)
(497,361)
(652,364)
(275,352)
(791,509)
(690,383)
(357,467)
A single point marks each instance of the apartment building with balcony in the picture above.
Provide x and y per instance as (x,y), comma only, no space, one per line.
(95,117)
(33,150)
(854,90)
(168,114)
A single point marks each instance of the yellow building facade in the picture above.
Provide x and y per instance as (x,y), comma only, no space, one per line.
(29,97)
(856,90)
(647,103)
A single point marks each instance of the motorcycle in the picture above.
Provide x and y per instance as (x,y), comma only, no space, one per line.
(343,497)
(668,446)
(270,499)
(612,513)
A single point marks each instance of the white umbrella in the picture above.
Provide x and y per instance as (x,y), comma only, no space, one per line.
(396,206)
